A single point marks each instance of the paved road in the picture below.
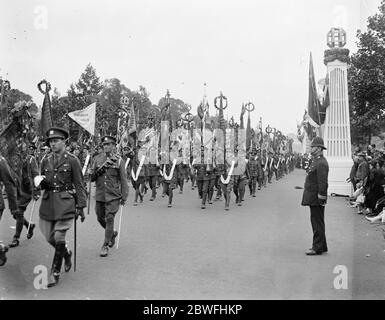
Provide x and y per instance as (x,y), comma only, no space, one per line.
(251,252)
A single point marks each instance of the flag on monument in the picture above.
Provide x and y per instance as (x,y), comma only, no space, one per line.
(46,115)
(313,106)
(85,117)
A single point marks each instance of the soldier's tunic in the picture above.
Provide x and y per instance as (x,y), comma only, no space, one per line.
(10,188)
(63,192)
(315,196)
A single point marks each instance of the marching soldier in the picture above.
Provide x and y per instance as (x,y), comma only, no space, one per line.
(11,191)
(152,174)
(252,167)
(26,191)
(169,180)
(260,166)
(270,164)
(63,200)
(181,172)
(219,170)
(109,173)
(138,175)
(315,196)
(192,173)
(203,177)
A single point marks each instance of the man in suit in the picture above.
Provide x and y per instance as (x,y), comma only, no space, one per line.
(63,200)
(315,196)
(11,191)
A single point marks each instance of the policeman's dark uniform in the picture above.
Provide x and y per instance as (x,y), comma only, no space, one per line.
(64,195)
(315,196)
(109,173)
(25,191)
(11,191)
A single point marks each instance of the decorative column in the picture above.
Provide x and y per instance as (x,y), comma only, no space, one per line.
(337,123)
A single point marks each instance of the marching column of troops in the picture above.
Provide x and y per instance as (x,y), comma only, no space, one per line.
(61,175)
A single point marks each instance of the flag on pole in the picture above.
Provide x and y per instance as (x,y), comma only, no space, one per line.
(46,114)
(313,106)
(85,117)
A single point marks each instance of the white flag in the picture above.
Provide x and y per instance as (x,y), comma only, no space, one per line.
(85,117)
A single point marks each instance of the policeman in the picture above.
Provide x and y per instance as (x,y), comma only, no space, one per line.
(109,172)
(11,191)
(315,196)
(26,192)
(63,200)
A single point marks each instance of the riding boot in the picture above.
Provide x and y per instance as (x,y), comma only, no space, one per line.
(67,259)
(56,265)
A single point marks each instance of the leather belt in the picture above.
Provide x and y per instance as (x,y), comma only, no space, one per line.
(59,188)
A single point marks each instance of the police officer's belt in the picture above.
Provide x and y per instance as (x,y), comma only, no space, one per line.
(60,188)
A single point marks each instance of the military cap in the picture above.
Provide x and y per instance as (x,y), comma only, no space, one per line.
(108,139)
(318,142)
(56,133)
(361,154)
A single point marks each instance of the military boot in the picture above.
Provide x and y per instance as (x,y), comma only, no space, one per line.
(3,251)
(104,251)
(67,259)
(56,265)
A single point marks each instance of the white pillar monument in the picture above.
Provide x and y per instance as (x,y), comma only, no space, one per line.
(337,123)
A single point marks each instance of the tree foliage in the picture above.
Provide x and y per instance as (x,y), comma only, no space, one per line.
(366,79)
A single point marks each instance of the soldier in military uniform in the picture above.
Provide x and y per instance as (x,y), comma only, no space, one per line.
(252,166)
(169,180)
(26,191)
(218,171)
(152,170)
(181,172)
(63,200)
(138,176)
(109,173)
(315,196)
(11,191)
(260,166)
(240,182)
(203,177)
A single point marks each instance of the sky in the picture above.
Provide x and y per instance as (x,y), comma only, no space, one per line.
(255,51)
